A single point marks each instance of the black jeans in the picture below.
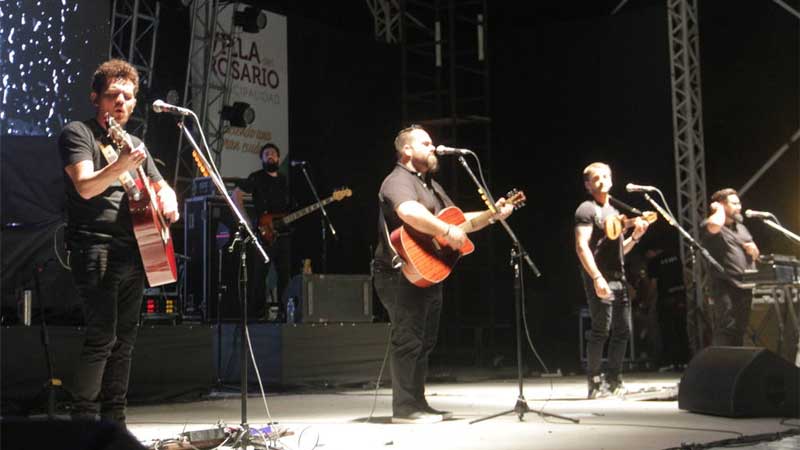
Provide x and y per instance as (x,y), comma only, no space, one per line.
(608,318)
(730,312)
(414,313)
(110,280)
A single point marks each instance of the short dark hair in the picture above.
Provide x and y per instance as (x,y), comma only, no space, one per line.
(723,194)
(111,70)
(402,137)
(266,147)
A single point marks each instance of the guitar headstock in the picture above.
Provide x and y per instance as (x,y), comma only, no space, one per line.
(516,198)
(341,193)
(117,134)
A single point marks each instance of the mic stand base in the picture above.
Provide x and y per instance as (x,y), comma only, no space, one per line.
(521,407)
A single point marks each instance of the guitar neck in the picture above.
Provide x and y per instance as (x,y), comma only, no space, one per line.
(477,221)
(302,212)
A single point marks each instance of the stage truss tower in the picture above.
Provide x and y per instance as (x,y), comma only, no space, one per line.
(134,26)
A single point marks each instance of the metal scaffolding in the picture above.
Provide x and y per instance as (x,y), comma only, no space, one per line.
(687,129)
(445,88)
(205,89)
(134,26)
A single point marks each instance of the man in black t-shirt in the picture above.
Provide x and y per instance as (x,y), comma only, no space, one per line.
(603,274)
(731,244)
(410,196)
(270,191)
(104,257)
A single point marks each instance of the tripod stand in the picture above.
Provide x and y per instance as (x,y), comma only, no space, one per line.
(518,254)
(521,407)
(243,238)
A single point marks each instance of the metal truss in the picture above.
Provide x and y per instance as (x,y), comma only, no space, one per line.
(386,14)
(205,89)
(134,25)
(687,128)
(445,88)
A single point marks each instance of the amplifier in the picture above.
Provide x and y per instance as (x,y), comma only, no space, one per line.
(331,298)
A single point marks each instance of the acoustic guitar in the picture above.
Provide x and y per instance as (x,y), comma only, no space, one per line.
(149,225)
(429,260)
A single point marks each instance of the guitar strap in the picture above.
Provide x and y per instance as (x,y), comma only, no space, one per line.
(397,261)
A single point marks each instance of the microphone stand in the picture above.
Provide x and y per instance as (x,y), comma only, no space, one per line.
(793,237)
(518,255)
(325,220)
(243,237)
(685,235)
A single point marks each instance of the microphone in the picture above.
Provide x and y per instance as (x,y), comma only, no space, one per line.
(752,214)
(442,150)
(630,187)
(297,163)
(159,106)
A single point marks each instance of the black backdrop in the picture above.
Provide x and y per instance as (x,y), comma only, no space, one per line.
(571,85)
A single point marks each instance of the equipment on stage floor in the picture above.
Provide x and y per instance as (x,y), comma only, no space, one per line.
(740,382)
(331,298)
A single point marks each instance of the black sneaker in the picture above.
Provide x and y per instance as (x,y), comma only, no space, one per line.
(617,387)
(445,414)
(597,387)
(418,417)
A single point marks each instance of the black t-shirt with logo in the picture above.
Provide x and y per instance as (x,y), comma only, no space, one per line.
(106,216)
(402,185)
(608,254)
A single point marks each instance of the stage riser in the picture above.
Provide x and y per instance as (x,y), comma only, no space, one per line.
(175,360)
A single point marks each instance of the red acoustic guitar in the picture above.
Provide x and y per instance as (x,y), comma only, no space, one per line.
(149,226)
(429,260)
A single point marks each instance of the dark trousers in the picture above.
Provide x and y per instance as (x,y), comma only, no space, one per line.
(608,319)
(414,313)
(266,278)
(730,312)
(672,321)
(110,280)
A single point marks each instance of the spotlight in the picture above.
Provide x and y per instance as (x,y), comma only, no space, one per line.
(239,114)
(252,20)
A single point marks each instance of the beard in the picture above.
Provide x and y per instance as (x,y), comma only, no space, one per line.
(738,218)
(433,163)
(270,166)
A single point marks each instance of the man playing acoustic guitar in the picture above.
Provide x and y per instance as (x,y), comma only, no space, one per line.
(410,197)
(102,234)
(601,248)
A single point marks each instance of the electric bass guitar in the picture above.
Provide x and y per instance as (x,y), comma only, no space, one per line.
(149,225)
(429,260)
(269,225)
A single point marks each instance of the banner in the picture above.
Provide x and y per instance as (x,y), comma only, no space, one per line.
(258,70)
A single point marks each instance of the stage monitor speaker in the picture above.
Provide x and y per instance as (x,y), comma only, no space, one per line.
(740,382)
(332,298)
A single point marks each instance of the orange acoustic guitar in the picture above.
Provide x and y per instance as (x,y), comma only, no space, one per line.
(149,226)
(429,260)
(270,224)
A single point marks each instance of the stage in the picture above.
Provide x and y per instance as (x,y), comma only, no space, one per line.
(338,417)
